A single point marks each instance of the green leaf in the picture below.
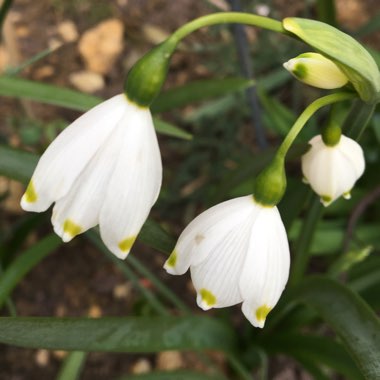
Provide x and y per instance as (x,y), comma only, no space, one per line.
(172,375)
(59,96)
(72,366)
(128,334)
(168,129)
(153,235)
(349,316)
(351,57)
(322,350)
(24,263)
(197,91)
(17,164)
(46,93)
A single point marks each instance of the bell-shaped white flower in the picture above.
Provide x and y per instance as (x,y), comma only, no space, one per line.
(332,171)
(237,251)
(316,70)
(105,168)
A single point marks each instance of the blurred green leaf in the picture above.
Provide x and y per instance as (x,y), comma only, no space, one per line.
(45,93)
(197,91)
(321,350)
(24,263)
(349,316)
(153,235)
(172,375)
(128,334)
(168,129)
(72,366)
(17,164)
(75,100)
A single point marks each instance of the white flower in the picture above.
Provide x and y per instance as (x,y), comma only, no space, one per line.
(105,168)
(332,171)
(316,70)
(237,251)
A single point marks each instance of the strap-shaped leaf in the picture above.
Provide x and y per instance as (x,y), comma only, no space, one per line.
(351,57)
(171,375)
(24,263)
(129,334)
(351,318)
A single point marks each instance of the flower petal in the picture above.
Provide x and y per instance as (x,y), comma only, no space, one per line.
(70,152)
(134,185)
(219,273)
(200,237)
(266,267)
(79,209)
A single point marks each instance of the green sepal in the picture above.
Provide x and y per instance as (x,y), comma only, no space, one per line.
(270,184)
(349,55)
(146,77)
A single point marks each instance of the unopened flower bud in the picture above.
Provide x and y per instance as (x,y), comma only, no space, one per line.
(316,70)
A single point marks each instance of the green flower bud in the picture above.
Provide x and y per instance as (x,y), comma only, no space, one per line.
(146,77)
(348,54)
(270,184)
(316,70)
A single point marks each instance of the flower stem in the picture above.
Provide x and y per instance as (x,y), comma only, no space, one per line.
(227,18)
(305,237)
(306,115)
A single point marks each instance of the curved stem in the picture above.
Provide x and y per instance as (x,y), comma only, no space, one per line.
(227,18)
(306,115)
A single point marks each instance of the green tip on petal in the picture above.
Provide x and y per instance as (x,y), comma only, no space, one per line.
(300,71)
(70,228)
(262,312)
(30,193)
(207,297)
(172,260)
(126,244)
(347,195)
(326,200)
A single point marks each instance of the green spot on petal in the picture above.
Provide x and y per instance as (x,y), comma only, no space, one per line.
(347,195)
(30,193)
(262,312)
(171,261)
(126,244)
(207,297)
(300,71)
(326,200)
(71,228)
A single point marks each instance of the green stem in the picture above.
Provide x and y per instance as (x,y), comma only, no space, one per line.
(227,18)
(306,115)
(358,118)
(305,237)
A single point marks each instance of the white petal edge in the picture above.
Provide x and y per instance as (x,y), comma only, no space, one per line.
(266,267)
(70,152)
(134,185)
(199,238)
(216,279)
(79,209)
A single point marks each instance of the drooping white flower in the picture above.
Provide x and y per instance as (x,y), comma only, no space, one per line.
(105,168)
(237,251)
(316,70)
(332,171)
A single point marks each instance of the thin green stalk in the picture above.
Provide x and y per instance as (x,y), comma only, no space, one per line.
(301,251)
(150,297)
(227,18)
(3,13)
(358,118)
(72,366)
(307,114)
(161,287)
(326,11)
